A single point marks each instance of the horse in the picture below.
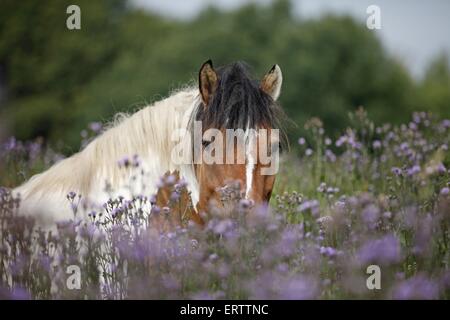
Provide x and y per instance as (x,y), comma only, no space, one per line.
(226,98)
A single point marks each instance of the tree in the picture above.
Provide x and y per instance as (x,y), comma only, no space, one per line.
(435,87)
(60,80)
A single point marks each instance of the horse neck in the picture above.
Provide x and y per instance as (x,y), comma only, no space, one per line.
(148,134)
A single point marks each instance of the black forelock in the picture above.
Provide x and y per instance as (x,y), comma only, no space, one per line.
(239,102)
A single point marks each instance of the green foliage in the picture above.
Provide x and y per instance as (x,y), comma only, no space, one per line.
(435,88)
(59,80)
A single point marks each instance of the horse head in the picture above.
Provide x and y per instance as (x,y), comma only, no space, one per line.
(240,122)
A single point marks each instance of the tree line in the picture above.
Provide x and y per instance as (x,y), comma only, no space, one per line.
(57,80)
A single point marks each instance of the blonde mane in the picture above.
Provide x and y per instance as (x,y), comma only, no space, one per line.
(146,133)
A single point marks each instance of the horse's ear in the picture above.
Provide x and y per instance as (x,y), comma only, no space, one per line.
(271,82)
(207,81)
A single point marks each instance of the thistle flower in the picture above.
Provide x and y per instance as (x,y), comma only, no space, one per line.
(299,288)
(171,179)
(116,212)
(174,196)
(301,141)
(417,287)
(245,203)
(445,191)
(96,127)
(328,251)
(71,195)
(396,171)
(124,162)
(312,205)
(155,210)
(330,155)
(385,250)
(413,170)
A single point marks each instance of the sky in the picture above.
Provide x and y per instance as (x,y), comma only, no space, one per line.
(414,31)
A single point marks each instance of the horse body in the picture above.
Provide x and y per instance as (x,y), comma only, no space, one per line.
(225,99)
(147,133)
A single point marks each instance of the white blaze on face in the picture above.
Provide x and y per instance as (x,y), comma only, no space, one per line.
(250,154)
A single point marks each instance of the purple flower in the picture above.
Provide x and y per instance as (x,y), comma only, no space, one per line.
(417,287)
(222,226)
(181,184)
(245,204)
(155,210)
(445,191)
(17,293)
(299,288)
(95,126)
(174,196)
(423,236)
(412,126)
(404,146)
(312,205)
(282,268)
(205,295)
(332,190)
(330,155)
(124,162)
(11,144)
(413,170)
(116,212)
(445,280)
(339,142)
(416,117)
(71,195)
(387,214)
(287,243)
(370,215)
(34,150)
(384,251)
(441,168)
(397,171)
(328,251)
(301,141)
(171,179)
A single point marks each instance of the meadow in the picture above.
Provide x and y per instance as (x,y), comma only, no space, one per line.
(373,195)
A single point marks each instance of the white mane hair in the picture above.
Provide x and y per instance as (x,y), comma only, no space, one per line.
(146,133)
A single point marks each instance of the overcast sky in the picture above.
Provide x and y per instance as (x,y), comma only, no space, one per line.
(413,30)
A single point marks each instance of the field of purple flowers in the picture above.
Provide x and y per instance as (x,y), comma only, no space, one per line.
(376,195)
